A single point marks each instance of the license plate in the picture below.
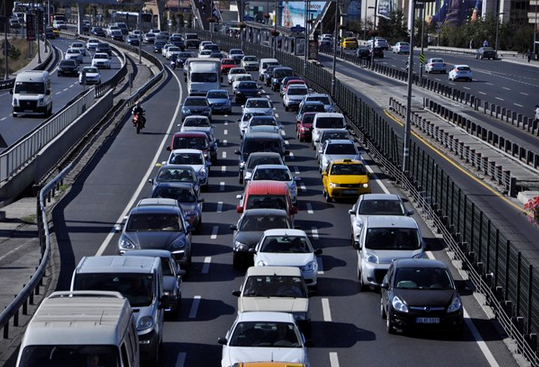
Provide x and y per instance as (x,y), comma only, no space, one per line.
(427,320)
(349,192)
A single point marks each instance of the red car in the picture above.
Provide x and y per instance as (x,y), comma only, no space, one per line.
(227,64)
(304,126)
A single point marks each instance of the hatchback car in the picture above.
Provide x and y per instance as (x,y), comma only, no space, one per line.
(337,149)
(277,76)
(256,122)
(79,46)
(235,71)
(420,294)
(326,134)
(264,336)
(304,127)
(91,44)
(293,96)
(363,52)
(219,100)
(250,62)
(350,43)
(101,60)
(249,230)
(194,158)
(289,80)
(435,65)
(254,160)
(460,72)
(103,47)
(485,53)
(401,48)
(289,247)
(344,179)
(236,54)
(74,54)
(260,105)
(227,64)
(89,75)
(176,173)
(187,198)
(196,106)
(132,40)
(241,78)
(68,67)
(158,46)
(276,172)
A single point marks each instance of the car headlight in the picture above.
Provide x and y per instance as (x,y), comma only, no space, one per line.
(455,305)
(399,305)
(145,322)
(40,102)
(186,110)
(365,185)
(15,102)
(304,129)
(240,246)
(333,185)
(371,258)
(311,266)
(126,244)
(207,110)
(202,172)
(261,263)
(178,244)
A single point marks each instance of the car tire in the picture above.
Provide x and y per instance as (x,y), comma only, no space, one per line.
(362,286)
(389,325)
(382,309)
(286,108)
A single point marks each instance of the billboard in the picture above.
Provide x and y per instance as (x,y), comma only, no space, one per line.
(455,13)
(293,13)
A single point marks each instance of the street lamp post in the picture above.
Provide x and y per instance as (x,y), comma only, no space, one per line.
(333,76)
(497,26)
(407,127)
(306,48)
(535,29)
(365,25)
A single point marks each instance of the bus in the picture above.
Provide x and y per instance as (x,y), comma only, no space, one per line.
(148,20)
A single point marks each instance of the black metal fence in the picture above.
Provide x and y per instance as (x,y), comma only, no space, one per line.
(496,267)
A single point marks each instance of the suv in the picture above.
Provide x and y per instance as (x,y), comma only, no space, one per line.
(68,67)
(260,142)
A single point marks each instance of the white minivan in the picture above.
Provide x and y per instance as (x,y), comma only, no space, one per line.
(326,120)
(86,328)
(264,64)
(32,94)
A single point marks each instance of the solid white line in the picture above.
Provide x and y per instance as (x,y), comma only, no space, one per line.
(500,99)
(310,208)
(524,94)
(214,232)
(506,88)
(180,361)
(314,233)
(143,182)
(333,359)
(483,93)
(194,307)
(206,266)
(57,93)
(326,310)
(221,186)
(517,104)
(224,154)
(219,207)
(3,118)
(489,84)
(380,183)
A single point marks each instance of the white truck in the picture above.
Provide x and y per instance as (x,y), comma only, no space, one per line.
(32,93)
(203,75)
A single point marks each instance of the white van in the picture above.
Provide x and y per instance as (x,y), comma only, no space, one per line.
(80,328)
(264,64)
(32,93)
(140,280)
(326,120)
(203,75)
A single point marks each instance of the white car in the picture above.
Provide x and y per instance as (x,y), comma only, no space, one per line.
(196,121)
(460,72)
(165,48)
(250,62)
(435,65)
(92,44)
(149,38)
(74,54)
(294,95)
(264,336)
(233,72)
(172,50)
(205,54)
(288,247)
(202,44)
(93,75)
(276,172)
(338,149)
(240,78)
(401,48)
(261,121)
(374,204)
(259,105)
(194,158)
(81,46)
(325,98)
(101,60)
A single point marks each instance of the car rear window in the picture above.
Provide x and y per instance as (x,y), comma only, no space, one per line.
(330,123)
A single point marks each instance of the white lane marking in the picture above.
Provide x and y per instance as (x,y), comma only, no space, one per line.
(467,88)
(223,168)
(57,93)
(310,208)
(499,99)
(524,94)
(226,123)
(489,84)
(517,104)
(65,89)
(219,207)
(286,142)
(303,187)
(3,118)
(221,186)
(483,93)
(506,88)
(314,233)
(382,186)
(291,155)
(224,154)
(326,310)
(206,266)
(214,232)
(333,359)
(296,170)
(142,184)
(194,307)
(225,132)
(225,142)
(180,361)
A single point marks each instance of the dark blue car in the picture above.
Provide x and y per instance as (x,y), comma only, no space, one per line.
(247,89)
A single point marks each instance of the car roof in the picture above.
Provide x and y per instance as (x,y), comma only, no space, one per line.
(258,187)
(157,201)
(271,270)
(272,166)
(263,154)
(266,316)
(390,221)
(156,209)
(149,253)
(176,184)
(340,141)
(261,135)
(120,264)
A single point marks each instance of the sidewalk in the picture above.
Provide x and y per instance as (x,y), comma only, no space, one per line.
(19,244)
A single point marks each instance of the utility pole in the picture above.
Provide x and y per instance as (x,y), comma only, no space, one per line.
(333,76)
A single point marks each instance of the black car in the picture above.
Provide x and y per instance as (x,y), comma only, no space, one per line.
(187,198)
(377,51)
(420,294)
(363,52)
(97,31)
(246,89)
(266,76)
(182,57)
(178,42)
(250,229)
(485,53)
(191,40)
(278,74)
(68,67)
(158,46)
(103,47)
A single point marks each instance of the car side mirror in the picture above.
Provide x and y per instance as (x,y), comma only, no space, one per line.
(384,285)
(309,343)
(150,180)
(200,200)
(356,246)
(164,302)
(233,227)
(294,210)
(239,209)
(169,149)
(318,252)
(236,293)
(118,227)
(410,212)
(222,341)
(190,229)
(370,174)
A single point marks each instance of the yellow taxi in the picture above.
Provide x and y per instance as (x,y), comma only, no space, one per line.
(55,32)
(345,178)
(269,364)
(350,43)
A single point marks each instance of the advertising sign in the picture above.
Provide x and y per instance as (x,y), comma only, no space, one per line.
(293,13)
(30,27)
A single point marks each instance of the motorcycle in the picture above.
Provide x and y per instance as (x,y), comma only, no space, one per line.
(139,121)
(172,64)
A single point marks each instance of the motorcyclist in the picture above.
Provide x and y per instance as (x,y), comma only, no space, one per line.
(173,62)
(137,109)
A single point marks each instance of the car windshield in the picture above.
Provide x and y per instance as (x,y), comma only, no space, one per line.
(274,286)
(182,194)
(381,207)
(247,85)
(139,289)
(253,162)
(334,135)
(237,71)
(285,244)
(330,123)
(69,355)
(313,108)
(323,99)
(392,239)
(153,222)
(275,174)
(265,335)
(263,120)
(196,102)
(297,91)
(250,58)
(176,175)
(223,94)
(228,62)
(197,121)
(340,149)
(348,169)
(204,77)
(101,56)
(264,222)
(281,73)
(258,103)
(423,278)
(30,87)
(187,158)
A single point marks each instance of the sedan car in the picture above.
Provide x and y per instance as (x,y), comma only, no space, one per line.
(78,45)
(97,31)
(325,98)
(401,48)
(310,106)
(264,336)
(91,44)
(236,54)
(187,198)
(89,75)
(194,158)
(249,230)
(68,67)
(288,247)
(132,40)
(460,72)
(196,106)
(304,127)
(435,65)
(101,60)
(235,71)
(250,62)
(116,35)
(327,134)
(276,172)
(159,227)
(74,54)
(219,100)
(260,105)
(363,52)
(345,178)
(176,173)
(486,53)
(337,149)
(182,57)
(293,96)
(377,52)
(246,90)
(254,123)
(227,64)
(350,43)
(255,159)
(158,46)
(420,294)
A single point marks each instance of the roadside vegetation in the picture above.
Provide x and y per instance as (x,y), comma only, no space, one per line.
(18,55)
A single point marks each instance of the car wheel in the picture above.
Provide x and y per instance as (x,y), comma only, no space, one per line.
(362,286)
(382,309)
(327,197)
(389,325)
(286,108)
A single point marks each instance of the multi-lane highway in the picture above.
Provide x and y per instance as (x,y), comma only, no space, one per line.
(347,327)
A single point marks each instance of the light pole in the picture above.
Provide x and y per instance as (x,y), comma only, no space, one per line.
(535,29)
(307,3)
(421,63)
(497,26)
(407,128)
(333,80)
(365,25)
(139,25)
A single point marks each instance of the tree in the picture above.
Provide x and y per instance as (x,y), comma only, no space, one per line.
(394,28)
